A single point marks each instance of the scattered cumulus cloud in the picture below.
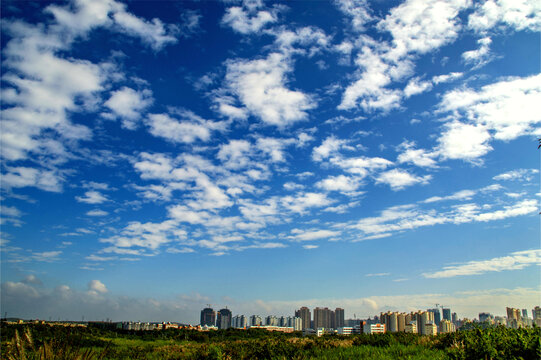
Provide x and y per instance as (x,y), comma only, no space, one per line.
(92,197)
(514,261)
(517,175)
(251,17)
(128,104)
(309,235)
(97,286)
(399,179)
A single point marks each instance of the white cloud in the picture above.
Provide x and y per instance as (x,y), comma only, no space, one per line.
(128,104)
(409,217)
(508,108)
(24,176)
(399,179)
(360,166)
(291,186)
(447,77)
(82,16)
(310,247)
(418,157)
(459,195)
(44,88)
(92,197)
(180,251)
(263,212)
(328,148)
(464,141)
(358,10)
(517,14)
(260,85)
(94,257)
(303,201)
(249,18)
(274,147)
(143,238)
(154,166)
(10,214)
(370,87)
(311,40)
(416,27)
(521,208)
(310,235)
(188,129)
(154,33)
(236,154)
(416,86)
(97,286)
(518,174)
(480,56)
(32,279)
(514,261)
(378,274)
(339,183)
(46,256)
(41,89)
(97,212)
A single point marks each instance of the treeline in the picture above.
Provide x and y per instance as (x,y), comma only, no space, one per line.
(37,341)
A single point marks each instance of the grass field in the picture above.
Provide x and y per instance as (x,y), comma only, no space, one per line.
(38,341)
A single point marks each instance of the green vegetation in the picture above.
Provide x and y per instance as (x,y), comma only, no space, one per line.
(41,341)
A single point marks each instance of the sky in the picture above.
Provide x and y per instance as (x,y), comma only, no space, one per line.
(158,156)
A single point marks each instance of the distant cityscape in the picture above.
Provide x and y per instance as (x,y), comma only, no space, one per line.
(328,321)
(322,320)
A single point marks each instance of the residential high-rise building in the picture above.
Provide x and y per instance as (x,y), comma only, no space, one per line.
(323,318)
(422,318)
(390,319)
(513,314)
(446,326)
(297,324)
(524,313)
(536,315)
(223,320)
(239,322)
(320,318)
(454,318)
(446,313)
(272,320)
(411,327)
(401,322)
(430,329)
(486,317)
(306,317)
(437,315)
(255,320)
(339,318)
(208,317)
(536,312)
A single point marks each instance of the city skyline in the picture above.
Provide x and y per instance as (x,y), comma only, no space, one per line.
(366,155)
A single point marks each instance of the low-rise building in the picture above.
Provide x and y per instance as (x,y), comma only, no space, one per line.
(374,328)
(346,330)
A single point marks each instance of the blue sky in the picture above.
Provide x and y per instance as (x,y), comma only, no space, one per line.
(372,155)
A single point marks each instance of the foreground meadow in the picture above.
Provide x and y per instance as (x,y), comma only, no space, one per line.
(39,341)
